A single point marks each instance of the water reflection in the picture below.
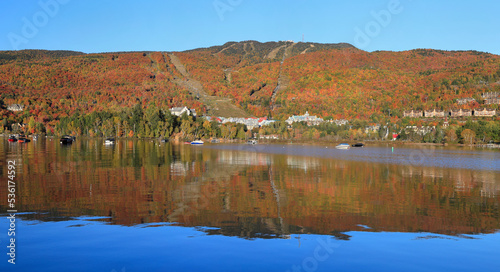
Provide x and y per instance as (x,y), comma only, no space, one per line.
(246,194)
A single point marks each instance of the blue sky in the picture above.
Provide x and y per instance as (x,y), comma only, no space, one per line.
(130,25)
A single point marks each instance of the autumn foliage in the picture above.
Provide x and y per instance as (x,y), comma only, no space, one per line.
(335,80)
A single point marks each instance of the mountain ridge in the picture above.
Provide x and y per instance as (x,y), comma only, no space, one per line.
(274,79)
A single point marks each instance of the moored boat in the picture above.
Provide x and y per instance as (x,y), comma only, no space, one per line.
(12,139)
(343,146)
(23,139)
(109,141)
(252,142)
(66,139)
(358,145)
(197,142)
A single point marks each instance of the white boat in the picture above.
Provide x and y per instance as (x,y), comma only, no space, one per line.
(109,141)
(197,142)
(252,142)
(343,146)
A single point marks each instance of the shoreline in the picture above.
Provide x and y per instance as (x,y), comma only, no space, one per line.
(297,142)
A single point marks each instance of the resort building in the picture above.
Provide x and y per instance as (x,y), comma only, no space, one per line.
(178,111)
(266,122)
(491,98)
(15,107)
(485,112)
(492,101)
(251,123)
(460,113)
(413,114)
(464,101)
(310,120)
(434,113)
(490,95)
(340,122)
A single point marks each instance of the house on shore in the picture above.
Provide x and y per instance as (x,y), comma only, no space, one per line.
(269,137)
(420,130)
(373,128)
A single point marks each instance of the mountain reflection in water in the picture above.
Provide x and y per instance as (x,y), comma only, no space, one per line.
(235,192)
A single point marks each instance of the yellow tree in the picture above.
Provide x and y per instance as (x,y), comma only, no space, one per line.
(469,136)
(208,127)
(117,124)
(451,135)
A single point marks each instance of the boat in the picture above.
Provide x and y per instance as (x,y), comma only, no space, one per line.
(343,146)
(12,139)
(23,139)
(358,145)
(109,141)
(164,140)
(252,142)
(197,142)
(66,139)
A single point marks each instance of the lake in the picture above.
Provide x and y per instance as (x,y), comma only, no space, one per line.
(140,205)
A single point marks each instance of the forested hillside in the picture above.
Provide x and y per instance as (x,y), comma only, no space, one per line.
(342,81)
(275,79)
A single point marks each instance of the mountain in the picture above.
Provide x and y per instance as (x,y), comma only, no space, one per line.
(248,78)
(6,56)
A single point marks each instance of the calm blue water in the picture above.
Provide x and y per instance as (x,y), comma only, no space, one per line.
(144,206)
(83,245)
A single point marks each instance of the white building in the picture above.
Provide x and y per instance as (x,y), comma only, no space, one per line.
(251,123)
(178,111)
(15,107)
(310,120)
(467,100)
(372,128)
(340,122)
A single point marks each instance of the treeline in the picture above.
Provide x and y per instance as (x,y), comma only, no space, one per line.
(154,122)
(150,122)
(469,133)
(137,122)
